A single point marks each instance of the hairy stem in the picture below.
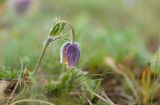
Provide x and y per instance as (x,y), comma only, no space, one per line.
(46,44)
(40,59)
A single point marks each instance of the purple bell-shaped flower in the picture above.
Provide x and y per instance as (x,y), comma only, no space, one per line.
(70,54)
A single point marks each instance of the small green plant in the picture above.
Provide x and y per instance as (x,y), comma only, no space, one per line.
(70,51)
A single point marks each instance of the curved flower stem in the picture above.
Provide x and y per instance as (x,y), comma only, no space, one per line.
(71,28)
(46,44)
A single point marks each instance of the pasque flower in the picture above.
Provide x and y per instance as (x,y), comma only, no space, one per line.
(70,54)
(70,51)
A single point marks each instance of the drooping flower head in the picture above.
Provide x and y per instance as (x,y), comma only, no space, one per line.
(70,54)
(63,52)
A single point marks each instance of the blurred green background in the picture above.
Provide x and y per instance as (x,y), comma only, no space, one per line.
(127,30)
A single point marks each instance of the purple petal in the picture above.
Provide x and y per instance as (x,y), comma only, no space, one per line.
(73,55)
(63,52)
